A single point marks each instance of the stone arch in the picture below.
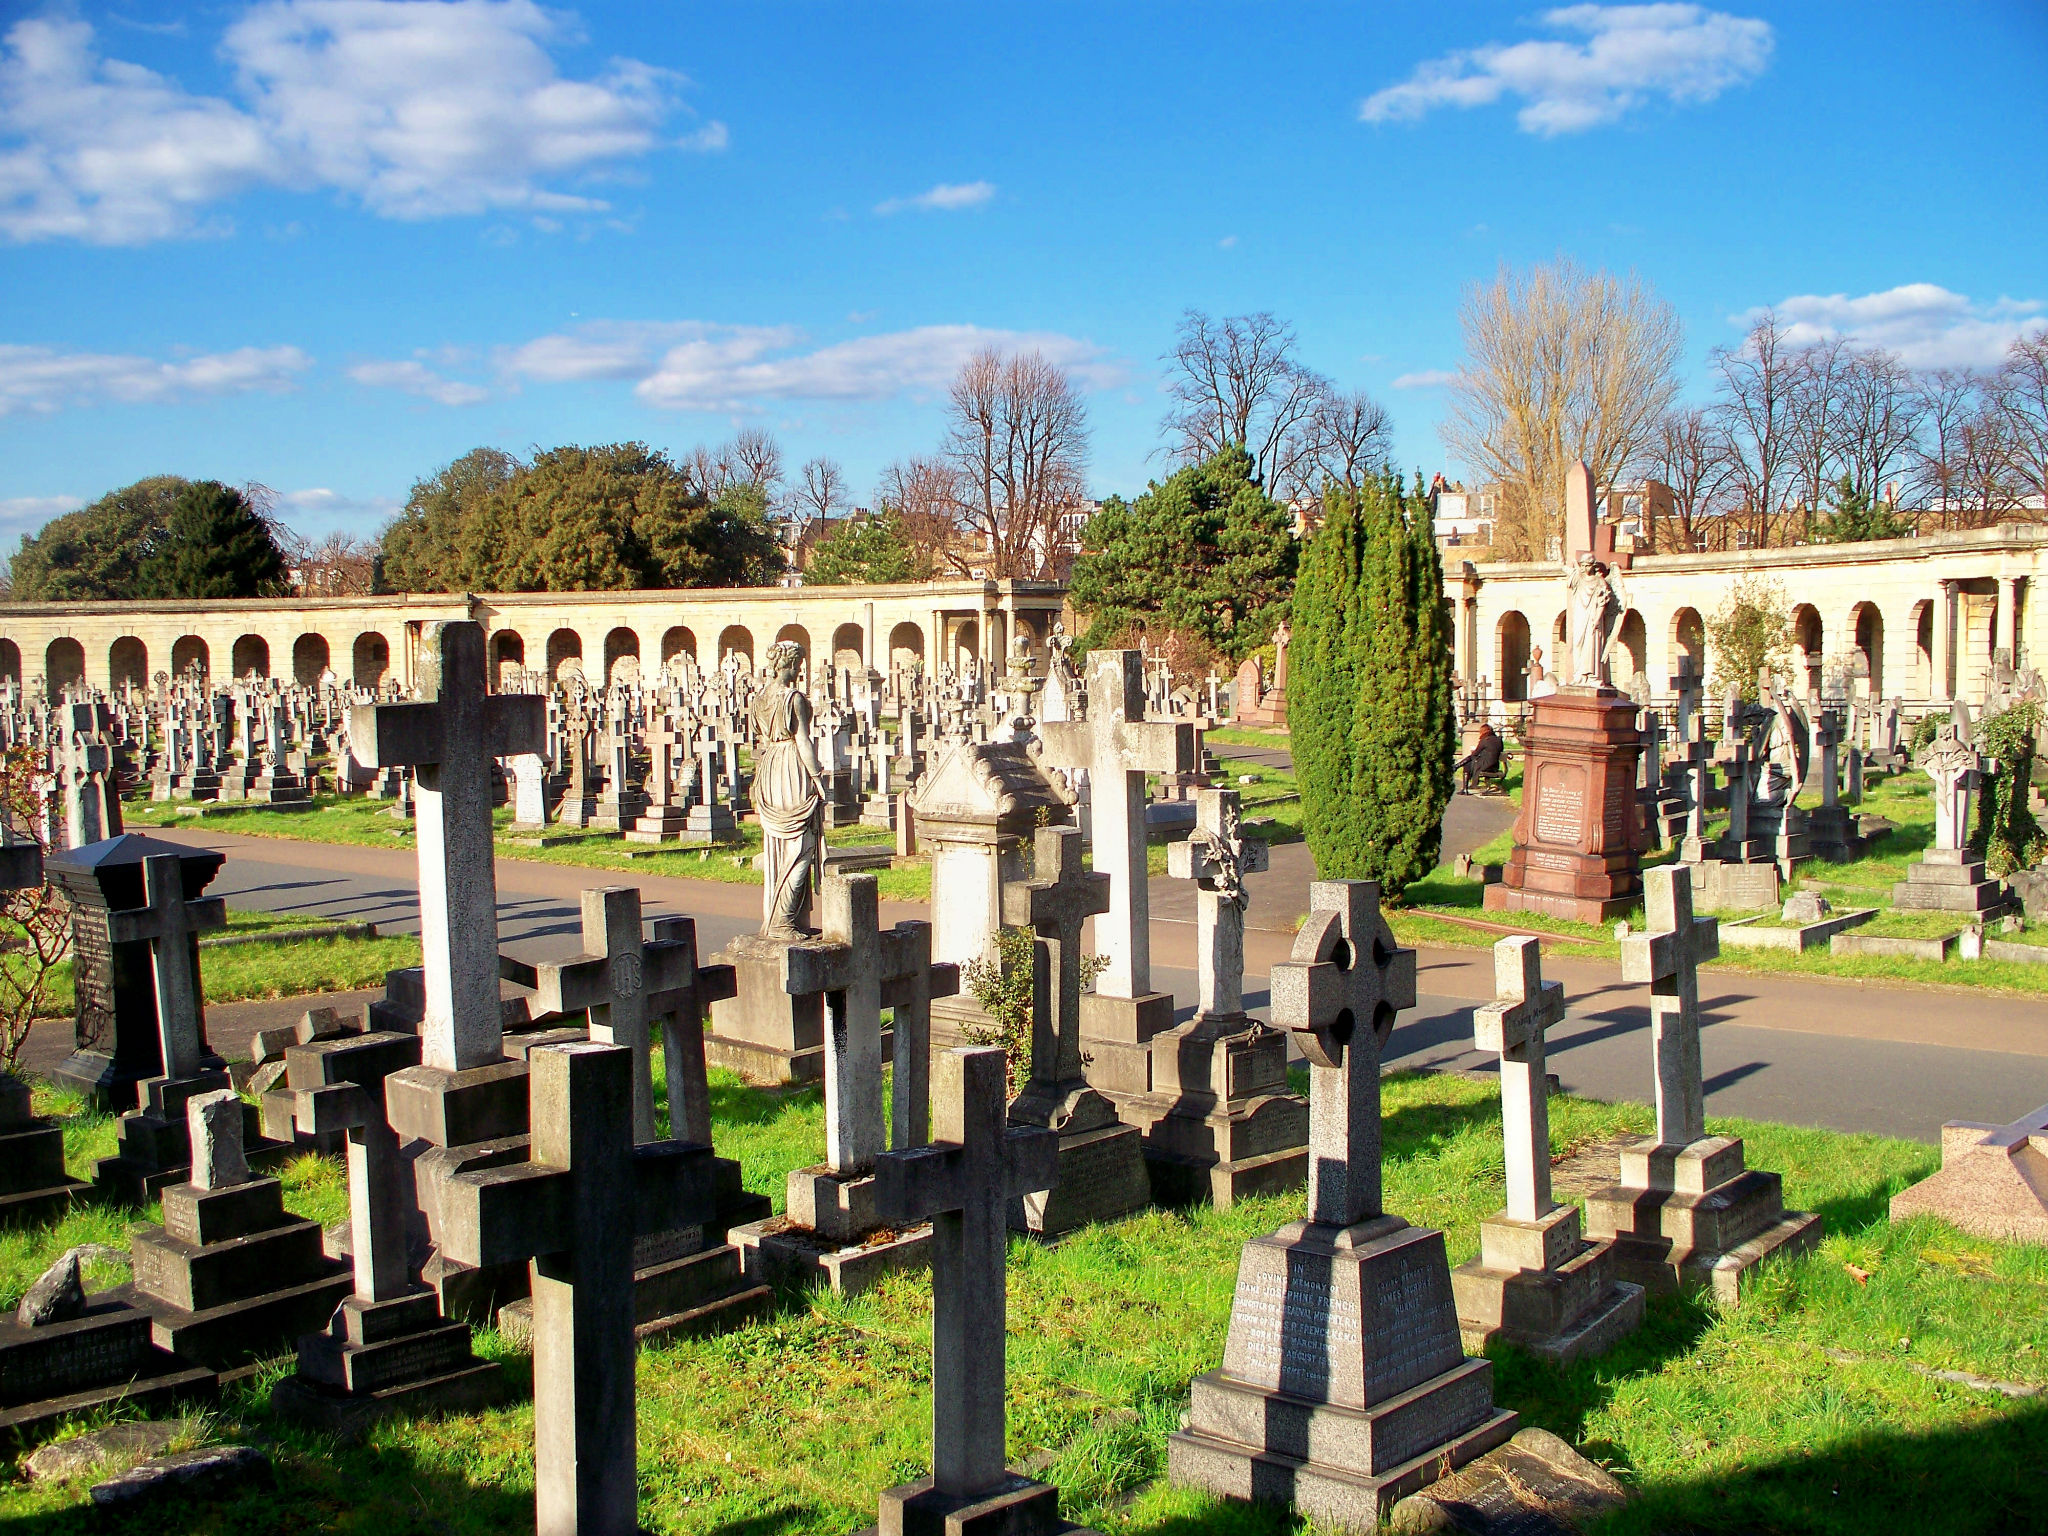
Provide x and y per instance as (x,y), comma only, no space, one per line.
(847,655)
(1923,649)
(63,665)
(1632,640)
(621,656)
(1560,644)
(369,659)
(508,657)
(310,657)
(1866,624)
(565,654)
(967,642)
(188,651)
(677,643)
(10,662)
(250,654)
(737,640)
(1689,639)
(128,662)
(906,645)
(1511,656)
(1807,641)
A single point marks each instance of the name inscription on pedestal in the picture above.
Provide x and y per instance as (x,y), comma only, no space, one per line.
(1560,805)
(92,978)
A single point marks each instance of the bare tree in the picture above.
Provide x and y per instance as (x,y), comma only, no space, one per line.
(1755,418)
(924,494)
(1238,381)
(755,458)
(819,490)
(1688,457)
(1561,365)
(336,566)
(1816,375)
(1878,420)
(1347,437)
(2021,393)
(1017,442)
(1945,401)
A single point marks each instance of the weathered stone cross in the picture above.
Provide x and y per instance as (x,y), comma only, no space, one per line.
(1054,903)
(1118,747)
(1217,857)
(1954,766)
(451,737)
(1668,957)
(1525,1006)
(963,1184)
(171,925)
(377,1203)
(1339,990)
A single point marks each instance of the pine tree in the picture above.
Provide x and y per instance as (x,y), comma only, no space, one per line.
(1857,518)
(215,544)
(1369,689)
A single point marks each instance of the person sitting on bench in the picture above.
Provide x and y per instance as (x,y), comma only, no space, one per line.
(1483,761)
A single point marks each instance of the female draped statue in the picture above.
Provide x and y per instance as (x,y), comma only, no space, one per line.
(789,796)
(1596,603)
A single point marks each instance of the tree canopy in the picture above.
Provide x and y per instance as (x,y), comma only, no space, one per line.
(96,553)
(1206,553)
(611,517)
(868,547)
(217,543)
(1859,517)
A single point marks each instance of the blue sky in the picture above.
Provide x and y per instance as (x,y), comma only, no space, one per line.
(331,244)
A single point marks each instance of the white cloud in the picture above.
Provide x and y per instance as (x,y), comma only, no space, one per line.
(692,365)
(946,197)
(1926,324)
(1426,378)
(417,379)
(1632,53)
(43,379)
(319,507)
(708,140)
(414,109)
(26,514)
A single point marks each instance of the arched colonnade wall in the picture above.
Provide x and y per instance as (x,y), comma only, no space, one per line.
(1920,618)
(367,639)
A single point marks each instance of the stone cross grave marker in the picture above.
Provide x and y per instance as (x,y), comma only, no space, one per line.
(1526,1005)
(1217,857)
(1054,904)
(1339,990)
(846,967)
(450,738)
(1118,747)
(1952,763)
(214,1122)
(963,1183)
(1668,956)
(169,924)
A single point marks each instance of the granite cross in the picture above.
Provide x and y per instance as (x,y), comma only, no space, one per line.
(1217,857)
(450,737)
(963,1184)
(1524,1006)
(1827,735)
(1668,956)
(1059,897)
(1118,747)
(1339,990)
(377,1185)
(170,924)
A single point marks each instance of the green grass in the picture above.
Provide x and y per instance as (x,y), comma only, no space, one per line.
(1805,1409)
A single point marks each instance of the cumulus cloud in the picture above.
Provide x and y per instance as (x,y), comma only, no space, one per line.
(695,366)
(319,507)
(946,197)
(417,379)
(1426,378)
(26,514)
(42,379)
(1630,55)
(415,110)
(1926,324)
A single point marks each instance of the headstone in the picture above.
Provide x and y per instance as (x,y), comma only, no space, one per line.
(1686,1212)
(1989,1183)
(34,1185)
(974,1171)
(1536,1282)
(1344,1386)
(1578,839)
(1949,877)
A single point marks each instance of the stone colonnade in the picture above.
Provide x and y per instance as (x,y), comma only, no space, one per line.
(370,639)
(1917,618)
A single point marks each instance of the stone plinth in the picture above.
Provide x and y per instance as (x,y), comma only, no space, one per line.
(763,1032)
(105,1358)
(1101,1160)
(1579,837)
(378,1358)
(1344,1384)
(34,1185)
(1948,880)
(1989,1184)
(1693,1215)
(1540,1285)
(1219,1120)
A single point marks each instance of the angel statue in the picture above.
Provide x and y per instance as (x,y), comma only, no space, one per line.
(789,796)
(1596,603)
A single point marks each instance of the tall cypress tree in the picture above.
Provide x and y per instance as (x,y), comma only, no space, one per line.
(1369,688)
(214,545)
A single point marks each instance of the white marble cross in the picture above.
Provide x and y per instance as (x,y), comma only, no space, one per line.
(1060,896)
(1668,956)
(845,964)
(170,924)
(1119,747)
(1339,990)
(1524,1006)
(1217,856)
(1955,768)
(450,737)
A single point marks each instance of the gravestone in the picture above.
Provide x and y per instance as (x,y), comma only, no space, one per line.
(1218,1116)
(1949,877)
(33,1183)
(1578,839)
(1989,1183)
(974,1171)
(1344,1386)
(1536,1281)
(1686,1211)
(529,792)
(1831,829)
(231,1275)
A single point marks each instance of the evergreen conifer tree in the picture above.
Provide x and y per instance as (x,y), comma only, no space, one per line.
(1369,688)
(215,544)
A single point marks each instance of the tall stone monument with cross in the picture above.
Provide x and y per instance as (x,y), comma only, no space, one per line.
(1579,838)
(1686,1211)
(1536,1282)
(1219,1118)
(1344,1385)
(1949,877)
(973,1171)
(1119,748)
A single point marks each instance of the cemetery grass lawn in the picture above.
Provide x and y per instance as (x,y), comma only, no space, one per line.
(1249,736)
(1809,1408)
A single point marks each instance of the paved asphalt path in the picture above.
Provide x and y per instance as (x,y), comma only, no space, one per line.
(1811,1051)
